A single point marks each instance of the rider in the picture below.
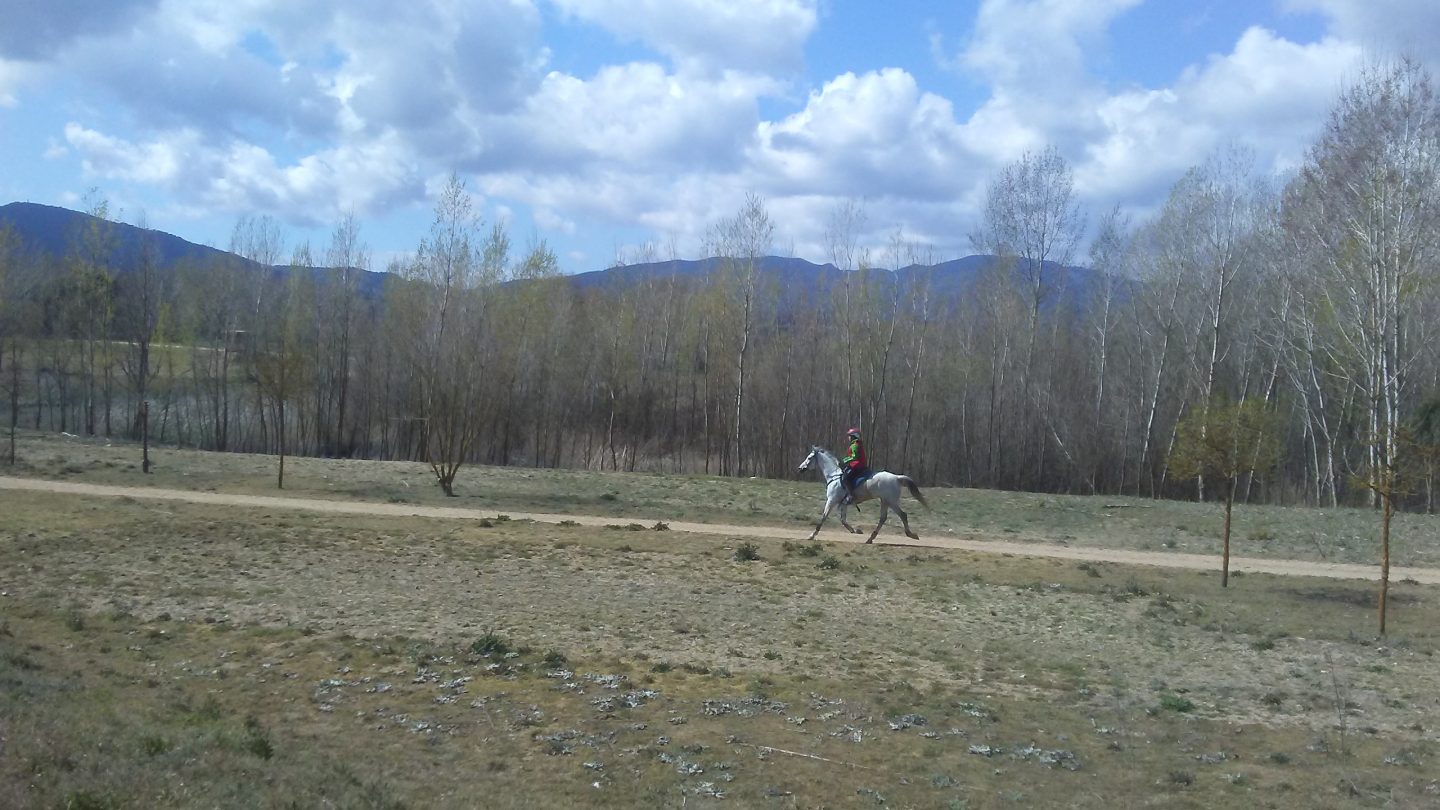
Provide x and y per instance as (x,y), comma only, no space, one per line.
(855,463)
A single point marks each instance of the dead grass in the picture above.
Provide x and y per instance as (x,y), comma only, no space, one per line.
(180,655)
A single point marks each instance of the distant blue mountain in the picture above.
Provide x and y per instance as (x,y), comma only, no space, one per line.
(797,282)
(50,232)
(788,284)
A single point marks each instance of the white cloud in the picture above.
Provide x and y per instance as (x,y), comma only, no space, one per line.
(242,177)
(1033,56)
(758,36)
(552,222)
(302,108)
(874,134)
(12,75)
(157,162)
(635,115)
(1038,47)
(1383,27)
(1269,94)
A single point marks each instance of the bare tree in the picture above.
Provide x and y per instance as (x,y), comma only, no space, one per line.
(258,240)
(842,246)
(1110,255)
(1215,221)
(16,291)
(347,259)
(282,362)
(144,297)
(1366,208)
(742,243)
(450,278)
(91,300)
(1031,218)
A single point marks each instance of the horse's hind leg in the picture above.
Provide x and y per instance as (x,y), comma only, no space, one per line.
(845,507)
(905,519)
(884,513)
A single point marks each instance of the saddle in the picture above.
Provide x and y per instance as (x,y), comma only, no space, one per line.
(860,479)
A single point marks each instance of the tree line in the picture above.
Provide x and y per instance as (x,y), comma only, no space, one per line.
(1309,297)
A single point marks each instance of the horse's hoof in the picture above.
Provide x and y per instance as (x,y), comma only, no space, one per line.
(868,542)
(912,535)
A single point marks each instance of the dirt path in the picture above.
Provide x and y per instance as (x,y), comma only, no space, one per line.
(1430,576)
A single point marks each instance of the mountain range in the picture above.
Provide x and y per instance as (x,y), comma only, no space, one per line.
(49,233)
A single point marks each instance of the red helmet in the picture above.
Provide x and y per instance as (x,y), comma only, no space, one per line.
(853,432)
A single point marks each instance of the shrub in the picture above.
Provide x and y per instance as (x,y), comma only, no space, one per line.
(747,552)
(1176,703)
(490,644)
(257,739)
(154,746)
(829,563)
(554,659)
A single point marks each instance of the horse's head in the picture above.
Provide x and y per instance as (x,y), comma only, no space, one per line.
(810,459)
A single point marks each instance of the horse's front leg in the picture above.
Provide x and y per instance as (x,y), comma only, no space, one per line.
(884,513)
(824,513)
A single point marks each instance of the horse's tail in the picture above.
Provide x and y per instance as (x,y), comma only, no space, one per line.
(914,490)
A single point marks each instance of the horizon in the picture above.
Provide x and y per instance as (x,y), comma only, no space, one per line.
(646,263)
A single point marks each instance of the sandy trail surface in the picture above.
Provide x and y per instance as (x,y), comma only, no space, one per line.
(1430,576)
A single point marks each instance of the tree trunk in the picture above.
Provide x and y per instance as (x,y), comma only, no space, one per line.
(1225,553)
(144,386)
(280,430)
(14,395)
(1387,510)
(740,375)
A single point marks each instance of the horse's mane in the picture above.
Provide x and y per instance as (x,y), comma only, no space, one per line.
(826,453)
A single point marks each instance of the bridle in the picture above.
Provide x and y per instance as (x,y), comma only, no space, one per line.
(810,459)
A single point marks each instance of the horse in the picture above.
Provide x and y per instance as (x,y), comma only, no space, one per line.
(882,485)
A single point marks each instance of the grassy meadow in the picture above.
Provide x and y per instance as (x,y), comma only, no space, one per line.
(178,655)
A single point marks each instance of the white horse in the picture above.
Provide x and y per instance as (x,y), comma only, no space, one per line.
(883,485)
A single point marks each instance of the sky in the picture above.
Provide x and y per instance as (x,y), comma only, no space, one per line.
(604,126)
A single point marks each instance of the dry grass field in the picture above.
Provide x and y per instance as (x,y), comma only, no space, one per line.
(179,655)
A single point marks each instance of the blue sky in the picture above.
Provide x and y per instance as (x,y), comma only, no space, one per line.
(602,126)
